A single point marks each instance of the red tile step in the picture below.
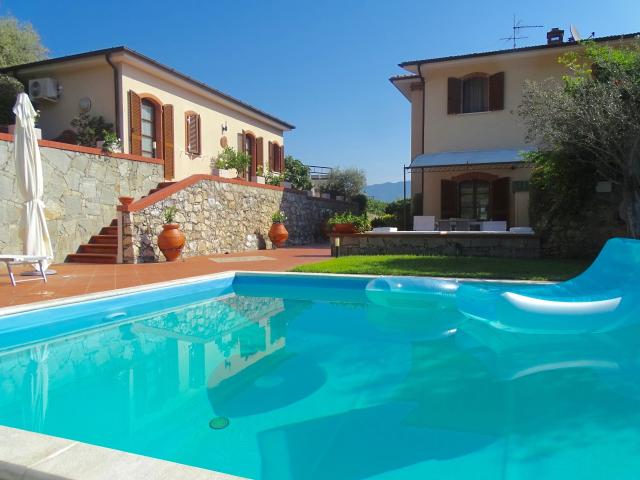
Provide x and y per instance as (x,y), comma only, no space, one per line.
(104,239)
(98,248)
(103,248)
(109,231)
(91,258)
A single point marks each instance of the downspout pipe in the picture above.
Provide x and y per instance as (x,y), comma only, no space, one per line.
(116,96)
(424,103)
(424,108)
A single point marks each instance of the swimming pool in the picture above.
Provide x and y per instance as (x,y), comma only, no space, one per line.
(324,377)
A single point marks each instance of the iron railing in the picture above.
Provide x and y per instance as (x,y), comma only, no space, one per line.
(319,173)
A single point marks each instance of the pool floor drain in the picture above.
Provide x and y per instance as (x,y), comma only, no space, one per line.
(218,423)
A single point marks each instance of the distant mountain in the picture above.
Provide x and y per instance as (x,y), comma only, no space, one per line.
(387,192)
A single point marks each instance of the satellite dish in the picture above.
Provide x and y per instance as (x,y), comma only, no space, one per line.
(575,34)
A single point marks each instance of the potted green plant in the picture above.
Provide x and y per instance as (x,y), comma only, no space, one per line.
(273,178)
(171,240)
(222,165)
(259,176)
(347,222)
(110,142)
(230,164)
(278,234)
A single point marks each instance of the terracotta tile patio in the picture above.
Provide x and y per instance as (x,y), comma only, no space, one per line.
(77,279)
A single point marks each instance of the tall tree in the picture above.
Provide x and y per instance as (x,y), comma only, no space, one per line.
(593,116)
(19,43)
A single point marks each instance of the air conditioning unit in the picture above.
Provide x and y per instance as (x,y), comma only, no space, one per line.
(44,89)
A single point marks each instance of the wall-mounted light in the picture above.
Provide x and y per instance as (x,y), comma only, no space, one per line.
(224,127)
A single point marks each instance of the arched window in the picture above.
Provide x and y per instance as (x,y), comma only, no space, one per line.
(473,199)
(475,93)
(148,131)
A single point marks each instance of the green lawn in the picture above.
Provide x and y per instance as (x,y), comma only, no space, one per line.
(461,267)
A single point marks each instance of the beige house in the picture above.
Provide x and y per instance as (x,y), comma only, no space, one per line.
(156,111)
(466,137)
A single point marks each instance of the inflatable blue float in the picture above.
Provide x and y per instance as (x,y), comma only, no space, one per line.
(603,298)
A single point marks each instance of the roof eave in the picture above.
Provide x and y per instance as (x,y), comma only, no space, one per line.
(414,63)
(285,126)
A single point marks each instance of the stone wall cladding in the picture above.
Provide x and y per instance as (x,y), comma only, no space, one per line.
(219,217)
(505,246)
(81,193)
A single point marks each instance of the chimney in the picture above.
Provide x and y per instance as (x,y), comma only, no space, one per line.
(555,36)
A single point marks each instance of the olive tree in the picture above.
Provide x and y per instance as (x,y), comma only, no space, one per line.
(593,116)
(19,43)
(348,182)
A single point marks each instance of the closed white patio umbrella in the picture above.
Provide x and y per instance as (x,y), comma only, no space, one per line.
(34,232)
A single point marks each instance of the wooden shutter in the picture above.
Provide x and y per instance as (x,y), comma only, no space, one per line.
(500,199)
(135,123)
(281,161)
(496,91)
(192,130)
(167,141)
(259,158)
(448,199)
(454,95)
(241,142)
(272,164)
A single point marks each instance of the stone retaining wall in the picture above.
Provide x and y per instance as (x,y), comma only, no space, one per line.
(218,217)
(485,244)
(81,193)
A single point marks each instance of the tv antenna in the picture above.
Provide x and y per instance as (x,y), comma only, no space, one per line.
(517,27)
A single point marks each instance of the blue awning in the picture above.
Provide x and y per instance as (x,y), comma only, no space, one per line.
(469,157)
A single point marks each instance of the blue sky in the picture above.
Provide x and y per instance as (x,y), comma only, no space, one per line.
(321,65)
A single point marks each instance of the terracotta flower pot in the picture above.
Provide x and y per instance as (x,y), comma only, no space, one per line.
(278,234)
(125,200)
(171,241)
(344,228)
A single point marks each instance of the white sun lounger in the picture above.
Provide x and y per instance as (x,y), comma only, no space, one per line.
(10,260)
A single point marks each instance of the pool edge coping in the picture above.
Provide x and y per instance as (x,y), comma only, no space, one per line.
(46,456)
(27,307)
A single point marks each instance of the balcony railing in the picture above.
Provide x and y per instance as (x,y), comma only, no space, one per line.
(319,173)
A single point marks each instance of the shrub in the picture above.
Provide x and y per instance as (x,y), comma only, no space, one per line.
(565,209)
(385,220)
(400,210)
(297,173)
(273,178)
(9,89)
(360,222)
(90,130)
(347,182)
(376,207)
(362,201)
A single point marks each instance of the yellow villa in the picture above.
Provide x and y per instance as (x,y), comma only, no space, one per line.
(156,111)
(466,138)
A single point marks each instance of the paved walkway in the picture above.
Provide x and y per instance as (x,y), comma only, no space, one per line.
(77,279)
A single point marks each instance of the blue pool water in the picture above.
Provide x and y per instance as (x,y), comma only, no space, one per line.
(322,378)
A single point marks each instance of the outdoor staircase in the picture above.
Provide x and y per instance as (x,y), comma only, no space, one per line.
(103,248)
